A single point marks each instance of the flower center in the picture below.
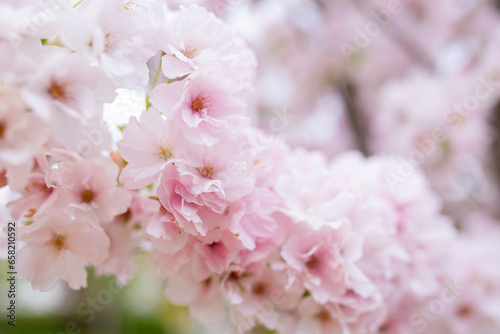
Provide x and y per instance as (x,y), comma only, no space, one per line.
(58,243)
(130,4)
(323,316)
(31,212)
(57,91)
(259,289)
(198,104)
(189,53)
(2,130)
(464,311)
(234,276)
(214,246)
(207,172)
(164,149)
(87,196)
(313,262)
(164,153)
(206,283)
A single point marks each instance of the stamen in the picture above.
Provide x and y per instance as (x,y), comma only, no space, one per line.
(164,152)
(31,212)
(259,289)
(198,103)
(164,149)
(464,311)
(87,196)
(57,91)
(323,316)
(129,5)
(108,41)
(189,53)
(207,172)
(312,263)
(58,243)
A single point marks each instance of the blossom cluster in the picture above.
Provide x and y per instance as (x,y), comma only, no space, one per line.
(242,225)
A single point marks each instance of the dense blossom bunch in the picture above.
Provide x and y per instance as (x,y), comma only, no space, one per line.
(238,221)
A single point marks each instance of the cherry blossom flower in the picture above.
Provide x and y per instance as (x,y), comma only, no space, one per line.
(59,247)
(195,39)
(127,234)
(325,260)
(148,146)
(54,91)
(205,299)
(204,105)
(117,35)
(22,135)
(91,187)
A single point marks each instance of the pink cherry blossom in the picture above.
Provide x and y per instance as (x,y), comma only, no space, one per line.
(325,261)
(207,107)
(127,234)
(22,135)
(91,187)
(148,146)
(196,39)
(205,299)
(59,247)
(115,34)
(56,92)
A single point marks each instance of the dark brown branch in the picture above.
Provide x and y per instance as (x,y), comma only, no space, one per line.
(354,115)
(495,142)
